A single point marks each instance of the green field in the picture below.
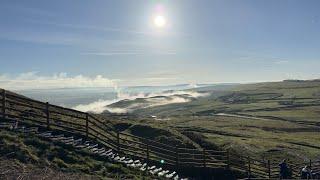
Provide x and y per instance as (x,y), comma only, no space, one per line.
(266,121)
(278,119)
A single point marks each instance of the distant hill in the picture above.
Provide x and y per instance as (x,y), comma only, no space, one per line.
(235,96)
(270,119)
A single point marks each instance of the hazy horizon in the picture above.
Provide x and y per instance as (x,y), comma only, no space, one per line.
(159,89)
(31,82)
(77,44)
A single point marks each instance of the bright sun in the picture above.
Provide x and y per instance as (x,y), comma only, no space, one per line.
(159,21)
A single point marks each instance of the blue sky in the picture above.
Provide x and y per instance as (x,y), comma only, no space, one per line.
(204,41)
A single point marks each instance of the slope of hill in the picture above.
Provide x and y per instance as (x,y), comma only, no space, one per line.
(221,120)
(89,134)
(273,119)
(28,156)
(59,143)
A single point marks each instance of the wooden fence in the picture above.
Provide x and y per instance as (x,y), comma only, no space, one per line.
(52,117)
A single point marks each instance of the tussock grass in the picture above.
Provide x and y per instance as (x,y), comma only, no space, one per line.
(37,154)
(289,124)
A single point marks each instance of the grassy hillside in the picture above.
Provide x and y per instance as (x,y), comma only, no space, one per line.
(31,157)
(268,120)
(277,119)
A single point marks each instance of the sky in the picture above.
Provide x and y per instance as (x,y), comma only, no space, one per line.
(97,43)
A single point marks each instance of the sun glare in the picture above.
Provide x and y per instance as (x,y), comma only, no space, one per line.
(159,21)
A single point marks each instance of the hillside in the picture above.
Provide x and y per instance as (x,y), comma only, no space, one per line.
(30,157)
(216,124)
(274,119)
(41,137)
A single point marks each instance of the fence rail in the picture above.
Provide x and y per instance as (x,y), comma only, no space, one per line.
(52,117)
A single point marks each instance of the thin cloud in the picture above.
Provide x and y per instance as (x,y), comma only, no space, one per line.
(262,59)
(31,80)
(99,28)
(166,98)
(31,37)
(128,53)
(19,8)
(160,78)
(90,27)
(281,62)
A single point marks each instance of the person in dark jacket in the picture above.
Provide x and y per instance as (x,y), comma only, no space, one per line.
(284,170)
(306,173)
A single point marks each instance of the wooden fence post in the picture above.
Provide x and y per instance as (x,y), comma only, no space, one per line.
(269,169)
(3,103)
(87,125)
(48,115)
(147,152)
(249,167)
(118,141)
(228,159)
(204,158)
(310,163)
(177,157)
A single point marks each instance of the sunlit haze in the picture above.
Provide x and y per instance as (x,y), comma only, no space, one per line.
(156,42)
(160,89)
(159,21)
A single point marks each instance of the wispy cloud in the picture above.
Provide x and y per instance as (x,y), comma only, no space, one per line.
(105,29)
(257,58)
(160,78)
(281,62)
(90,27)
(151,100)
(20,8)
(32,80)
(121,53)
(39,38)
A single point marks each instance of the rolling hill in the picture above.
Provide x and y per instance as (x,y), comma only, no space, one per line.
(272,119)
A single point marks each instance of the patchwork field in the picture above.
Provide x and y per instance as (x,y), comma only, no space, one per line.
(274,120)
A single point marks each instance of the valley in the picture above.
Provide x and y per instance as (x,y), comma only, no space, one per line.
(276,119)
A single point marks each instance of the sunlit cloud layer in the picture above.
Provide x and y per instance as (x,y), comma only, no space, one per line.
(151,100)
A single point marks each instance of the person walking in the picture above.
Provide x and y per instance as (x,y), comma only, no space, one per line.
(284,170)
(306,173)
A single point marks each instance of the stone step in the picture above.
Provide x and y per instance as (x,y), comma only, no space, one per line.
(110,154)
(170,175)
(134,165)
(130,161)
(151,168)
(67,140)
(46,134)
(143,168)
(100,151)
(155,171)
(77,141)
(93,147)
(162,173)
(57,138)
(137,161)
(176,177)
(31,130)
(106,152)
(80,146)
